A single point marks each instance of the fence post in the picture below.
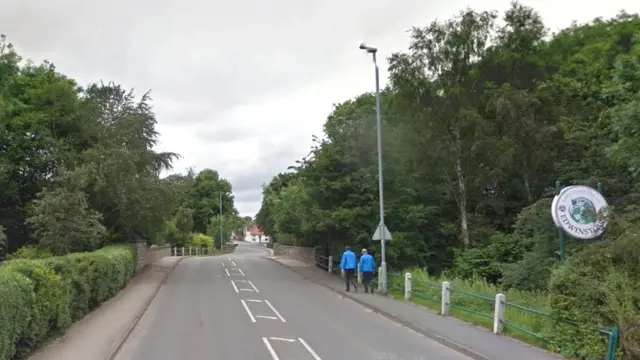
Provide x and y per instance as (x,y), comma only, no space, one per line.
(182,253)
(379,278)
(359,275)
(613,343)
(498,314)
(407,286)
(172,252)
(446,298)
(330,264)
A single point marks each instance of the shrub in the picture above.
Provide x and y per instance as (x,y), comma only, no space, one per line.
(30,252)
(200,240)
(16,302)
(39,298)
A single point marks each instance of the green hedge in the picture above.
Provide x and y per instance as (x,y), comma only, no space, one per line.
(40,298)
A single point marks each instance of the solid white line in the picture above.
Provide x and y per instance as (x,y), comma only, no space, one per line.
(275,311)
(309,349)
(234,264)
(282,339)
(267,317)
(248,311)
(241,272)
(246,290)
(253,300)
(272,352)
(253,286)
(227,272)
(242,281)
(235,287)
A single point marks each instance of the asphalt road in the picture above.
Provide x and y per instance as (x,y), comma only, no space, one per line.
(246,307)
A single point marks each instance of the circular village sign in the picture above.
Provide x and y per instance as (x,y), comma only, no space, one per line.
(580,211)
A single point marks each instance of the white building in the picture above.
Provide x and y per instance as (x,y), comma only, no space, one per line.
(253,234)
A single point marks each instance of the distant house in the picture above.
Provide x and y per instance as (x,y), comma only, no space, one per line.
(253,234)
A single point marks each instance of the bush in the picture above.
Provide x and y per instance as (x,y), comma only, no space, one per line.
(30,252)
(200,240)
(39,298)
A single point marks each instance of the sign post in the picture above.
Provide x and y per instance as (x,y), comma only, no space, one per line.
(580,211)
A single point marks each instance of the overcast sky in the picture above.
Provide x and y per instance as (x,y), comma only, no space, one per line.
(240,86)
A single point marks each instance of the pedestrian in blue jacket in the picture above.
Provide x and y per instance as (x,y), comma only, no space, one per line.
(367,267)
(348,267)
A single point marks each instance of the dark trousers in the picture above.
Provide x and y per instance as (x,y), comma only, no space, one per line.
(367,276)
(348,279)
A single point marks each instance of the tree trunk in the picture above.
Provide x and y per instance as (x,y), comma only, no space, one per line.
(462,190)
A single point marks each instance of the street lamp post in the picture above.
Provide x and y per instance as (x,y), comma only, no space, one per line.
(220,217)
(381,227)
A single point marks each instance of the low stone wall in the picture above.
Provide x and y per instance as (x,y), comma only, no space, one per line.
(147,255)
(305,254)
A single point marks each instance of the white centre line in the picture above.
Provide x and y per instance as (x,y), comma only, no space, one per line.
(275,311)
(234,264)
(235,287)
(248,311)
(227,272)
(241,272)
(309,349)
(272,352)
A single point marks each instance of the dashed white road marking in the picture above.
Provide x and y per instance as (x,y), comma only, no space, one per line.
(253,286)
(240,270)
(254,300)
(227,272)
(281,339)
(232,262)
(253,319)
(272,352)
(229,257)
(235,287)
(309,349)
(222,263)
(275,311)
(235,282)
(267,317)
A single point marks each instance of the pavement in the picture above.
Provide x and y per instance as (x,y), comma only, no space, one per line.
(476,342)
(244,306)
(99,333)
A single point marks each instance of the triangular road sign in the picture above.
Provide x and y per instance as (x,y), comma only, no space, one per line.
(376,235)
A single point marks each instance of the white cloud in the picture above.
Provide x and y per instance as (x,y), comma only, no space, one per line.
(239,86)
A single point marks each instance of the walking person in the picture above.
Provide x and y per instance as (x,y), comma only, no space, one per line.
(348,268)
(367,266)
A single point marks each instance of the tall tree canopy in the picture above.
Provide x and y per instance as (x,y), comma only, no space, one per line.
(479,120)
(78,167)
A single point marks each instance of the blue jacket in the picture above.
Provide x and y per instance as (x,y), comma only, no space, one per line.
(367,263)
(348,260)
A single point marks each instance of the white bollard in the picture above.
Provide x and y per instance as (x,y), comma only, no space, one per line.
(407,286)
(330,264)
(190,248)
(498,314)
(446,298)
(359,275)
(182,253)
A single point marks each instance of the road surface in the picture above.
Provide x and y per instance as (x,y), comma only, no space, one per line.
(246,307)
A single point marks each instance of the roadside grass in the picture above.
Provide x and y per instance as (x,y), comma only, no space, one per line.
(473,301)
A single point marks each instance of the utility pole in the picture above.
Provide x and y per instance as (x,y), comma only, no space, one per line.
(221,239)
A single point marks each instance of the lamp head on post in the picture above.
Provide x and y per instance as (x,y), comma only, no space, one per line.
(369,49)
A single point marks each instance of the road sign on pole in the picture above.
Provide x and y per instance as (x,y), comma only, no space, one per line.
(376,235)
